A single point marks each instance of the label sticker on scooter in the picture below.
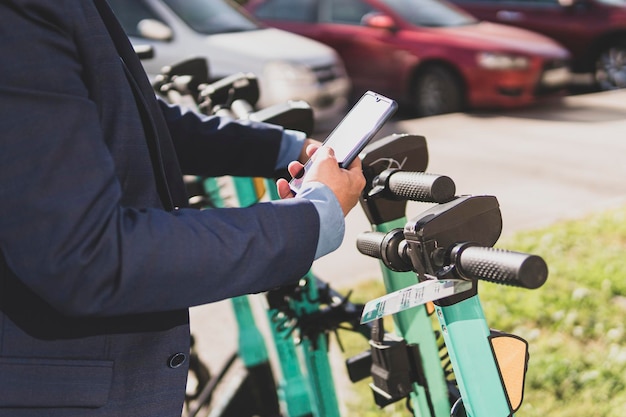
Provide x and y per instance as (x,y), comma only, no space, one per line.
(412,296)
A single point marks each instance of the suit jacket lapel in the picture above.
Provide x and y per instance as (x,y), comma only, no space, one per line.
(162,152)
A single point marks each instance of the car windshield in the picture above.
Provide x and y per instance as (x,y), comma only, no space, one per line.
(211,16)
(432,13)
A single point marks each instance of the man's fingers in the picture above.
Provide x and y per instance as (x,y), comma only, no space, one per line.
(311,148)
(324,152)
(295,169)
(304,156)
(282,186)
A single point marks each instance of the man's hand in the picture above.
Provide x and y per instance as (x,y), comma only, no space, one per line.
(346,184)
(304,156)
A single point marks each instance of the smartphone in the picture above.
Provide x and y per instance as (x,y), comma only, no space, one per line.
(354,131)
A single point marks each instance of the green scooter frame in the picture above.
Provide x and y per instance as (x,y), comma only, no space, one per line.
(453,241)
(317,375)
(408,152)
(489,367)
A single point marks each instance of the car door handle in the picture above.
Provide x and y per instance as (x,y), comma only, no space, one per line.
(509,16)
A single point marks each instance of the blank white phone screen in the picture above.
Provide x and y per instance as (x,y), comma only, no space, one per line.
(361,120)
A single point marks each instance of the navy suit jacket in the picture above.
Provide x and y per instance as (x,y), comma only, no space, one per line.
(99,258)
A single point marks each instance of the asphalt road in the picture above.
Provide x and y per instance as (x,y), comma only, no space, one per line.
(554,161)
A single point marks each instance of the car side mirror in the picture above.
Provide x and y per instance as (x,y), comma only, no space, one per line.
(154,30)
(379,21)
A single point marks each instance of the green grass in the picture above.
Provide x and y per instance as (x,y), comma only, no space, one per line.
(574,323)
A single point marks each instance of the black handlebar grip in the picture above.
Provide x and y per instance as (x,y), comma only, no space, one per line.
(500,266)
(421,186)
(369,243)
(389,247)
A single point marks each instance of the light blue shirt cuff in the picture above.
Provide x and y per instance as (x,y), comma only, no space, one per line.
(290,147)
(332,222)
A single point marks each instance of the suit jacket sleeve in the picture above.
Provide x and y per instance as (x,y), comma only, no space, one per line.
(64,231)
(214,146)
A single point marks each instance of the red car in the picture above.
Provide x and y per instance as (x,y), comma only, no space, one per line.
(427,54)
(594,31)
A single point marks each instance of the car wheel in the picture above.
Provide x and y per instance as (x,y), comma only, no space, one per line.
(437,90)
(611,67)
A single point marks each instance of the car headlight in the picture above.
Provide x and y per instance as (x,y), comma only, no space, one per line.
(502,61)
(290,73)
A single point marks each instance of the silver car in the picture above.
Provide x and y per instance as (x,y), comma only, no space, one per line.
(288,66)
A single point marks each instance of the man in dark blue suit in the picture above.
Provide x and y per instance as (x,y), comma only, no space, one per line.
(99,258)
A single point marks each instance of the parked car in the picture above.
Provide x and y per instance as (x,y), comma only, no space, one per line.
(427,54)
(594,31)
(287,66)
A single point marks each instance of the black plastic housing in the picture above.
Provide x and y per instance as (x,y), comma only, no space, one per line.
(398,151)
